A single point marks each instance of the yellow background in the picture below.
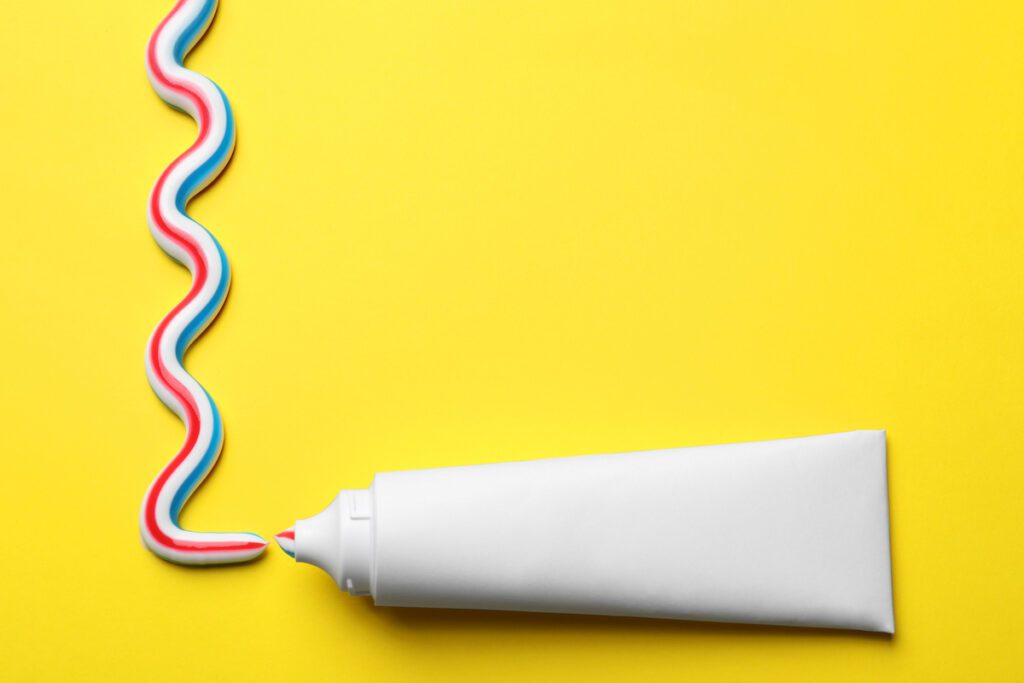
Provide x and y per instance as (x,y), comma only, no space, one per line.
(475,231)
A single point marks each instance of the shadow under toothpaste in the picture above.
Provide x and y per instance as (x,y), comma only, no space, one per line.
(450,621)
(440,620)
(213,568)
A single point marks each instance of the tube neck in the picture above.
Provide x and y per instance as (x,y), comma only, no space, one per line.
(339,540)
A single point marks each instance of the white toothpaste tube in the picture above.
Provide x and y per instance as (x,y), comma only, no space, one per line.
(791,532)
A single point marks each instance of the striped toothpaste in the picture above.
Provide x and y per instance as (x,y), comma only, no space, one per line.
(191,245)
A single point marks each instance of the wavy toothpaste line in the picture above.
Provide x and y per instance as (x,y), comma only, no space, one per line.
(191,245)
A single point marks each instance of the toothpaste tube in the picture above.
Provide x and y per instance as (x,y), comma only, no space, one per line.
(791,532)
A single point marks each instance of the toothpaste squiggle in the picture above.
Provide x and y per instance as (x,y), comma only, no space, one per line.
(191,245)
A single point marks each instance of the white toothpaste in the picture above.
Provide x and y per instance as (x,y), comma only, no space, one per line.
(791,532)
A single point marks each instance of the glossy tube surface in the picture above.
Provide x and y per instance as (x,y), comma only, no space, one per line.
(792,532)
